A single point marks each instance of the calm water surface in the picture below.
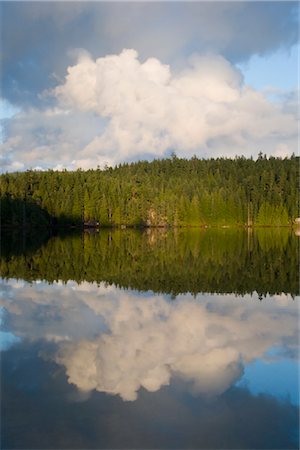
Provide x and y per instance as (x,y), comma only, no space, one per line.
(155,339)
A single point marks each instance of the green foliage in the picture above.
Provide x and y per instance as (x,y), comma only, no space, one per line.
(22,213)
(169,192)
(273,215)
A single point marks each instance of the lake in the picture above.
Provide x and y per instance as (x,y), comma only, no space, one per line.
(150,339)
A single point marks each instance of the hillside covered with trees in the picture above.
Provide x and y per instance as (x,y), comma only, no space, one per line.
(169,192)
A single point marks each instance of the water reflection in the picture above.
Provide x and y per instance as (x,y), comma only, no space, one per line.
(87,364)
(43,411)
(117,341)
(172,261)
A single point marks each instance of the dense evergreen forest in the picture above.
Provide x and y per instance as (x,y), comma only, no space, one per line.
(162,260)
(169,192)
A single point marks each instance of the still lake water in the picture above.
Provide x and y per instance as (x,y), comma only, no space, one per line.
(154,339)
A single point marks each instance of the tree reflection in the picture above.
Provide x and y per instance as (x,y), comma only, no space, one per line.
(171,261)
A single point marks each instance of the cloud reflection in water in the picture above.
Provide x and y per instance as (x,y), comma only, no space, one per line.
(117,341)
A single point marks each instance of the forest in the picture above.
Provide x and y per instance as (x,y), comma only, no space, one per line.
(171,192)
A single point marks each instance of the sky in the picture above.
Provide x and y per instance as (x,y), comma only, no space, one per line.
(87,84)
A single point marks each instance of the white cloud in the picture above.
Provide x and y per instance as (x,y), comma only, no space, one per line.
(118,108)
(118,341)
(170,31)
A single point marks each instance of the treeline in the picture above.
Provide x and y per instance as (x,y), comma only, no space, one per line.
(169,261)
(174,192)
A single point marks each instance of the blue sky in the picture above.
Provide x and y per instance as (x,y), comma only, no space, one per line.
(95,83)
(278,69)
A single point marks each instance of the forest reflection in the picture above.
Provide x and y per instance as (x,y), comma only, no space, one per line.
(156,329)
(162,260)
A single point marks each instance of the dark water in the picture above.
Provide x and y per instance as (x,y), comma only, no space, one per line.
(155,339)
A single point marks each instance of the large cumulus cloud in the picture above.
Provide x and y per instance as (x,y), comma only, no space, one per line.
(120,108)
(37,36)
